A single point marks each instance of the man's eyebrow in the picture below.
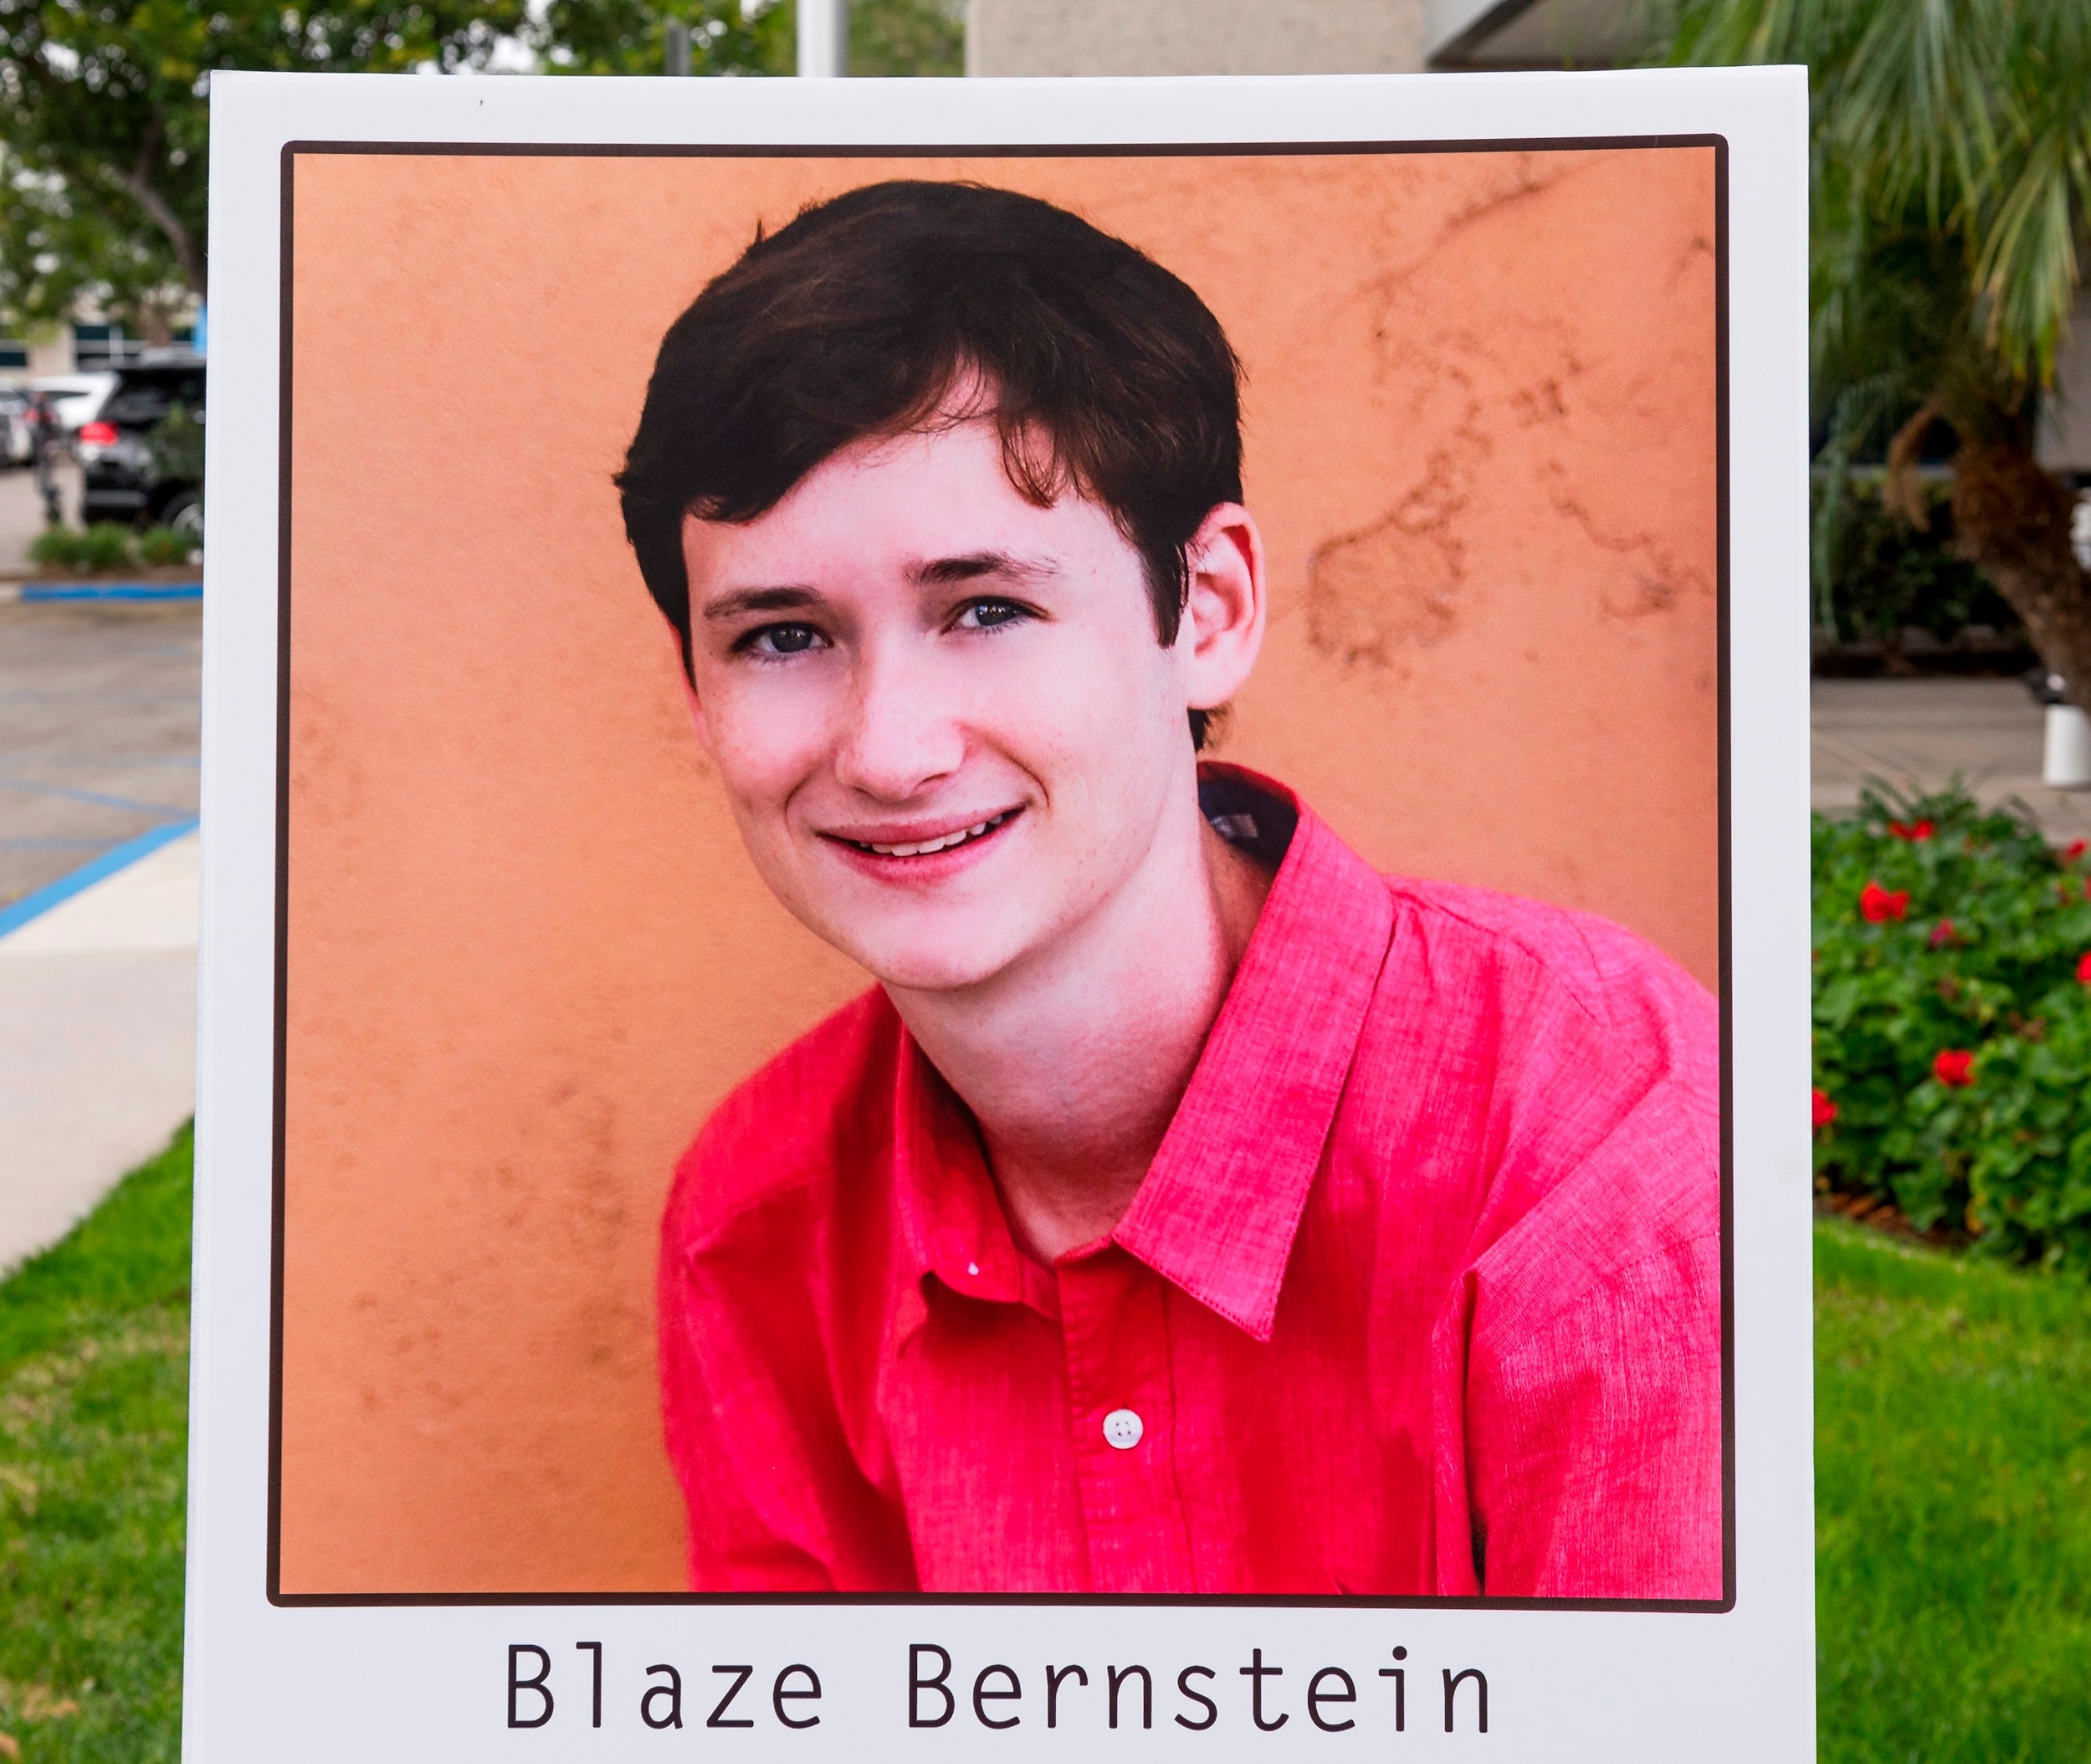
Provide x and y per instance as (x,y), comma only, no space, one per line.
(744,600)
(972,565)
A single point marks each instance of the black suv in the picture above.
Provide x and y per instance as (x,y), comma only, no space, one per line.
(129,479)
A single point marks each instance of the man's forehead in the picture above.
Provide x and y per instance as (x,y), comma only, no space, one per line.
(729,599)
(934,507)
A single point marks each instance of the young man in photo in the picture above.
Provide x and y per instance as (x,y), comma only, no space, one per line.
(1188,1209)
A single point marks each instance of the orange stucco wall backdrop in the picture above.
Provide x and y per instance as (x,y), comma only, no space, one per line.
(527,956)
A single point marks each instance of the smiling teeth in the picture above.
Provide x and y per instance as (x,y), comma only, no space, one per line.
(929,846)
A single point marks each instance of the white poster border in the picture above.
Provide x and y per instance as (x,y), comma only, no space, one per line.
(265,1680)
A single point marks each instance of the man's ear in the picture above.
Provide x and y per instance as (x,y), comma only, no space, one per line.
(1223,616)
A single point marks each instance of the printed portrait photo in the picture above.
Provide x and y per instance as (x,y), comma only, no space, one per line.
(1003,875)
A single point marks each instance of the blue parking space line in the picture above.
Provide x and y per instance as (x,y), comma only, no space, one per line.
(13,916)
(112,590)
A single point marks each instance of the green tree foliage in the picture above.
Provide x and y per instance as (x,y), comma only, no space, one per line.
(907,38)
(887,37)
(54,247)
(628,36)
(1885,576)
(1951,205)
(102,166)
(107,125)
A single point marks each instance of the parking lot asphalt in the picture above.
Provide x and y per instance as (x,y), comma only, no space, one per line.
(100,712)
(99,724)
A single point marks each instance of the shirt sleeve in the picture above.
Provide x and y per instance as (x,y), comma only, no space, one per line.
(1576,1362)
(1590,1460)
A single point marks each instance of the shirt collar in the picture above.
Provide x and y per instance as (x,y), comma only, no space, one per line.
(950,1218)
(1222,1202)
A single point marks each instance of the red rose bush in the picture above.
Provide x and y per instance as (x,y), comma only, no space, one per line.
(1952,1021)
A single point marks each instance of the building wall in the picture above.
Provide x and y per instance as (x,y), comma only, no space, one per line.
(52,353)
(1194,37)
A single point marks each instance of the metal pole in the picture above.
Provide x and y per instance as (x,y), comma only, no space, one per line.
(823,38)
(676,48)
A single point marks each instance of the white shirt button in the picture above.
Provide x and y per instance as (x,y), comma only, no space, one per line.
(1122,1429)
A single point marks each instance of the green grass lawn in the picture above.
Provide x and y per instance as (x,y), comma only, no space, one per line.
(1953,1463)
(1953,1507)
(93,1428)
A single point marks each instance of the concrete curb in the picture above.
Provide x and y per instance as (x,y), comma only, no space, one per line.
(34,906)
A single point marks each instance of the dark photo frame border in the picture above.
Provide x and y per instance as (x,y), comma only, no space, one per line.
(285,511)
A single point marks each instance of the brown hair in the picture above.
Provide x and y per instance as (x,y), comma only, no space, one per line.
(1107,374)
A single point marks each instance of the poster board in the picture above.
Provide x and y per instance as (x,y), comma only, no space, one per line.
(1523,400)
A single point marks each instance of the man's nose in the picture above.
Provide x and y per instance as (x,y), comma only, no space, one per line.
(900,736)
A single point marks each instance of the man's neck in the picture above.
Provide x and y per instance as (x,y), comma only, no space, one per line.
(1073,1067)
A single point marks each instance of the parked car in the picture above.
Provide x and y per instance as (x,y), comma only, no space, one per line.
(125,476)
(17,442)
(79,397)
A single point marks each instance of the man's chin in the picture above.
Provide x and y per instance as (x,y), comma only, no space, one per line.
(946,958)
(932,970)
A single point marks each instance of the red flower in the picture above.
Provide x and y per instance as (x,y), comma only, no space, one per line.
(1911,829)
(1955,1067)
(2075,849)
(2084,968)
(1878,905)
(1826,1111)
(1941,934)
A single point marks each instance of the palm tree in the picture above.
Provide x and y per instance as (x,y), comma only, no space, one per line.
(1950,168)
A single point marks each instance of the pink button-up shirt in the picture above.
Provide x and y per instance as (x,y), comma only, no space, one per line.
(1421,1295)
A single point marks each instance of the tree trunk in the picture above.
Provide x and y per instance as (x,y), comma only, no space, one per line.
(2012,518)
(138,181)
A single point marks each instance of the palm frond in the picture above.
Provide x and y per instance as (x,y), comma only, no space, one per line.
(1966,121)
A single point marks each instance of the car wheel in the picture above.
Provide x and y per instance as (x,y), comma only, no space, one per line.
(185,515)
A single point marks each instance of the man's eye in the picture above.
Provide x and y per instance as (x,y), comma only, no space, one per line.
(985,615)
(781,640)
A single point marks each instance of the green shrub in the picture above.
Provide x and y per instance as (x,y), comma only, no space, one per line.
(103,546)
(55,547)
(1885,575)
(176,445)
(165,545)
(1953,1021)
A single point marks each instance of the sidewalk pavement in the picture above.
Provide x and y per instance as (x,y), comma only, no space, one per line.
(97,1036)
(99,722)
(1917,734)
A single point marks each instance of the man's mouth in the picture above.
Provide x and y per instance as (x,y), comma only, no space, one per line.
(923,848)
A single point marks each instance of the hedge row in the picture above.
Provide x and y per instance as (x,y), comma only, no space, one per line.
(107,546)
(1953,1021)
